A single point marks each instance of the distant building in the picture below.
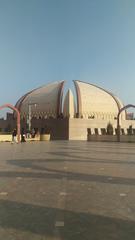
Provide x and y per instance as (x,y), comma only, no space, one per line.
(8,124)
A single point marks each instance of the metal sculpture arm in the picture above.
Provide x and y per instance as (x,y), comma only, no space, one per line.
(118,119)
(8,105)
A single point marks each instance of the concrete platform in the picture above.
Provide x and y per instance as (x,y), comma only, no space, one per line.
(71,190)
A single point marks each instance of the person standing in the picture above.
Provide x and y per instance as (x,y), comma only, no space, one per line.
(14,133)
(23,135)
(33,133)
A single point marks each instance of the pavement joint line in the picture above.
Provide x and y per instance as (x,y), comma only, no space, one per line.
(64,179)
(59,224)
(43,193)
(123,194)
(82,184)
(63,193)
(110,178)
(129,210)
(3,193)
(65,167)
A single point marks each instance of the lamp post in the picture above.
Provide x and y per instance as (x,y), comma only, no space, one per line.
(30,115)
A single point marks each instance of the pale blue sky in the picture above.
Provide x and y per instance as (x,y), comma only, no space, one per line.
(42,41)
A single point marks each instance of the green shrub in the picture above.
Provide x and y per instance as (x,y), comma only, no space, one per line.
(109,129)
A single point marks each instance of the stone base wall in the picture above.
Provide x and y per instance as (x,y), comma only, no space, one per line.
(70,129)
(109,138)
(5,138)
(78,128)
(57,128)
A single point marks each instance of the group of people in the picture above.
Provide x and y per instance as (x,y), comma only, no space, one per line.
(14,136)
(23,135)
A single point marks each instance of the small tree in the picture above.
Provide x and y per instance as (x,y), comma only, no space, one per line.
(109,129)
(130,131)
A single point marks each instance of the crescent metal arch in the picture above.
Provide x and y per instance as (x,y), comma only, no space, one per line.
(8,105)
(118,119)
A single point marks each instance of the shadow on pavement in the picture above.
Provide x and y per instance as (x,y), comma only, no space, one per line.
(78,226)
(59,174)
(69,176)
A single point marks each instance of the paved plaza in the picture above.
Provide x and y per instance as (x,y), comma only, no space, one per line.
(69,190)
